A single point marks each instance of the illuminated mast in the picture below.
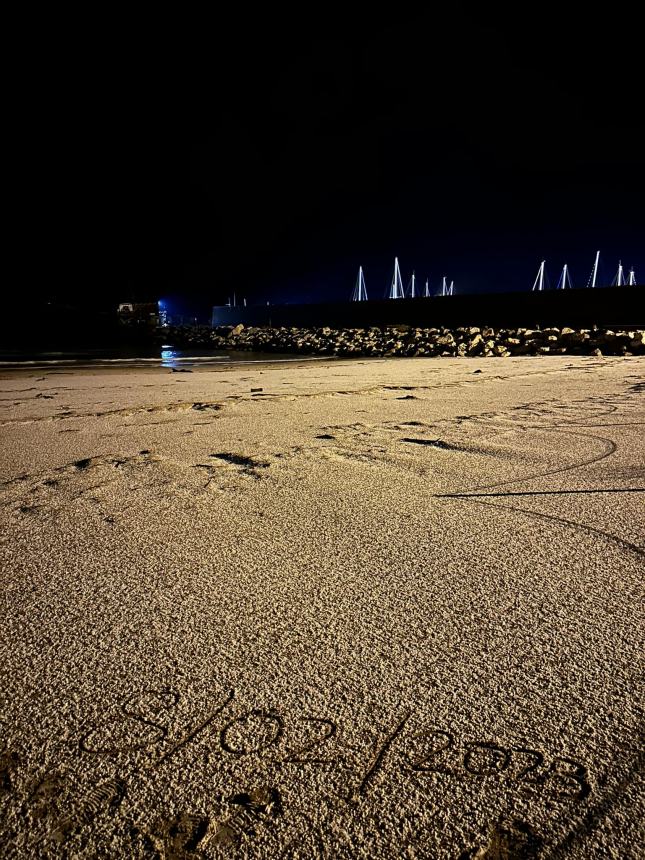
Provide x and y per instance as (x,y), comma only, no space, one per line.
(396,289)
(426,291)
(539,280)
(360,292)
(412,293)
(631,281)
(445,289)
(619,280)
(594,272)
(565,280)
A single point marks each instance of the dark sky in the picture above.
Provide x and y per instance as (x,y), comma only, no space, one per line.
(273,154)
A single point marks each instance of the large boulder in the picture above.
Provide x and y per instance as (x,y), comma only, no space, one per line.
(638,341)
(446,340)
(475,344)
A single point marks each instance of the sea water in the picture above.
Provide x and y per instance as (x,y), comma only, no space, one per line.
(164,356)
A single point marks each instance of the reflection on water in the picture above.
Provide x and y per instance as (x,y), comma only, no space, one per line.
(168,356)
(175,358)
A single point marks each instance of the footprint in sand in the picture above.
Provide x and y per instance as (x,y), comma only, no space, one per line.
(507,841)
(9,764)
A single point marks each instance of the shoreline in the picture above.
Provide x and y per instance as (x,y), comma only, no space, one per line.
(126,365)
(8,373)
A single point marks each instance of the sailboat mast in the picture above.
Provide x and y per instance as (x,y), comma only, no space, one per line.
(538,284)
(396,290)
(360,292)
(594,271)
(564,278)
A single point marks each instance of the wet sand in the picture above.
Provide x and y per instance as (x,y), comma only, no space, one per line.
(341,609)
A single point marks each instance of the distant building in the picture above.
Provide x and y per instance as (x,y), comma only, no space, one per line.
(140,313)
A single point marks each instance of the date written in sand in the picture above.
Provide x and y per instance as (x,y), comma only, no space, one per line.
(302,741)
(308,740)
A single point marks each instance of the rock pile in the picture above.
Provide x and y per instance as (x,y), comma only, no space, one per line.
(404,340)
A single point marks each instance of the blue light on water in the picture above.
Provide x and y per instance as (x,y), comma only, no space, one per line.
(169,357)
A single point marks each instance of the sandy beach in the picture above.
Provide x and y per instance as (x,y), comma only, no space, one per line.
(332,609)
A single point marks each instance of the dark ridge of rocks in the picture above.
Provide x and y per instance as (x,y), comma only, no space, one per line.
(467,341)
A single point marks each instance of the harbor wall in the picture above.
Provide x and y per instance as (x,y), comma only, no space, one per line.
(607,307)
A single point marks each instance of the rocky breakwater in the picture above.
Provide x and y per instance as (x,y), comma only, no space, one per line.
(404,340)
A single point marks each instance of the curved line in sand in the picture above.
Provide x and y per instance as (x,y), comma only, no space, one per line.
(610,448)
(625,544)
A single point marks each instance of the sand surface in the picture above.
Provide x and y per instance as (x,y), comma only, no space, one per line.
(375,609)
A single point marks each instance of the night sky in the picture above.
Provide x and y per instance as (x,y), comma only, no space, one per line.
(271,154)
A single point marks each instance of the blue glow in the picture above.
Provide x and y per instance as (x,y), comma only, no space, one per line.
(168,358)
(163,313)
